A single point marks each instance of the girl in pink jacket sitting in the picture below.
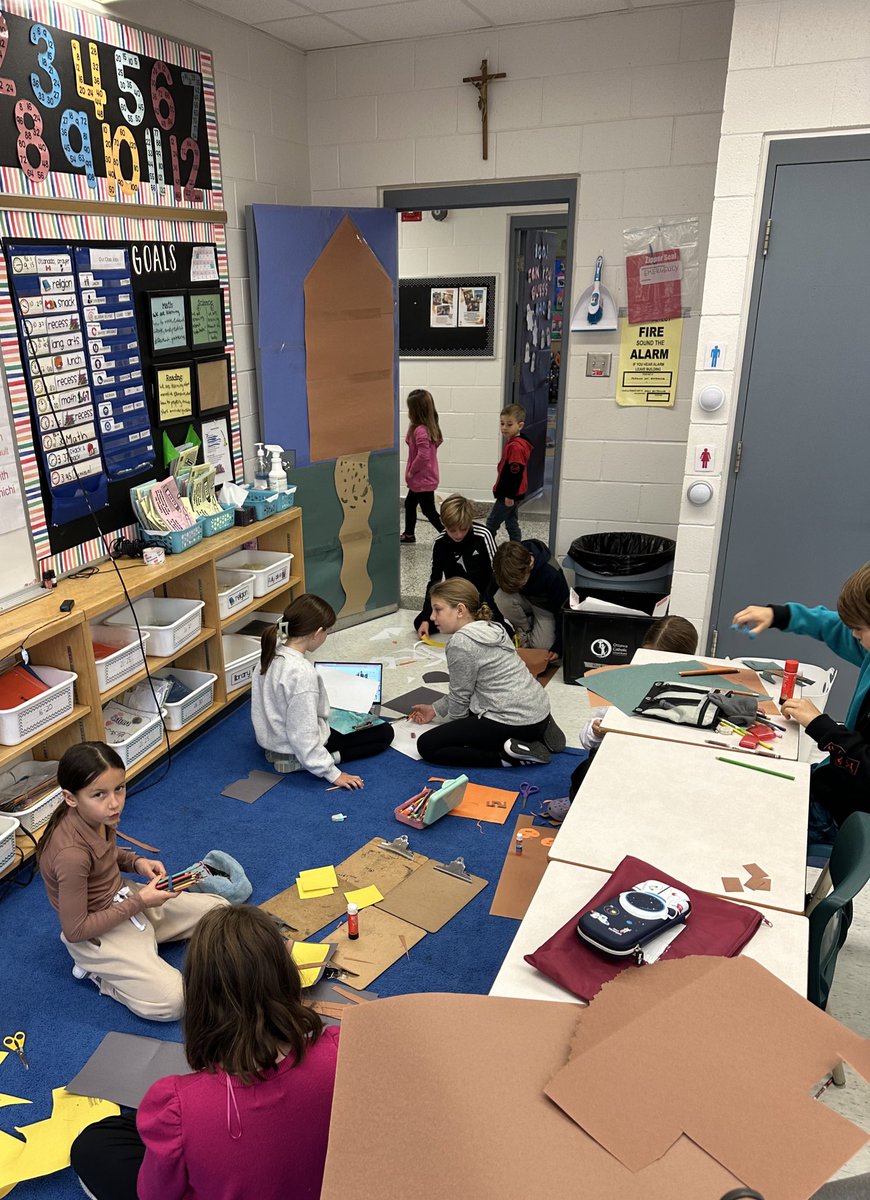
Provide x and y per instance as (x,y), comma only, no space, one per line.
(421,474)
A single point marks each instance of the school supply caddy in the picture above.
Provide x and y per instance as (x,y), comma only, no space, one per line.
(716,927)
(628,921)
(430,804)
(682,704)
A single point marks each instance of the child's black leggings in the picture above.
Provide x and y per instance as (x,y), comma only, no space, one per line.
(426,500)
(362,743)
(474,742)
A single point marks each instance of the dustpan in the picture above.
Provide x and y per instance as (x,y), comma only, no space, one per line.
(579,317)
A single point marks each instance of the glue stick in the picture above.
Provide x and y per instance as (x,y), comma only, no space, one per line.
(352,922)
(788,680)
(519,844)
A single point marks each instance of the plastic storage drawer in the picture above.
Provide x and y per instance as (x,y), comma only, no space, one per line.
(201,696)
(37,814)
(143,739)
(171,623)
(8,830)
(23,721)
(270,569)
(127,659)
(241,657)
(235,590)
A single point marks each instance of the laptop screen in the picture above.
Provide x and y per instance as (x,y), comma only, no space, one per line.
(372,671)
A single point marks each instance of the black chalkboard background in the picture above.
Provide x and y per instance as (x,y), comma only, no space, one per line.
(162,276)
(416,335)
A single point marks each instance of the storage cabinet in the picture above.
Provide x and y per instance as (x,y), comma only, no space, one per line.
(63,640)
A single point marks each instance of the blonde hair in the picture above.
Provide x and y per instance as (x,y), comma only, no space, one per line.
(422,411)
(457,513)
(516,411)
(458,591)
(853,603)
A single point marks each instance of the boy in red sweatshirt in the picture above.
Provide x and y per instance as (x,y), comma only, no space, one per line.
(513,481)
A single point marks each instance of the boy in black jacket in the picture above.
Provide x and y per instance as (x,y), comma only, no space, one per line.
(531,593)
(464,549)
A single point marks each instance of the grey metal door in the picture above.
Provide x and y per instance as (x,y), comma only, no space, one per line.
(532,349)
(797,519)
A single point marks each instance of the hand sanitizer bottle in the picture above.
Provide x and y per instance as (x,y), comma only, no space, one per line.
(261,471)
(277,476)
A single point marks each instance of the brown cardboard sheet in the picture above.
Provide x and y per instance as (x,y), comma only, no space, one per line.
(429,898)
(383,940)
(737,1024)
(521,873)
(443,1095)
(349,348)
(367,865)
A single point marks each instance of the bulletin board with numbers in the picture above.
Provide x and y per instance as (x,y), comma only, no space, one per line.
(113,278)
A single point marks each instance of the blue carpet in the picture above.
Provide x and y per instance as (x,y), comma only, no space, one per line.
(285,831)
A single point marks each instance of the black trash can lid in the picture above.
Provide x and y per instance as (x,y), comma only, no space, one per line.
(623,553)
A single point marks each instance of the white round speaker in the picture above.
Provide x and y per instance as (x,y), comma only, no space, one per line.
(711,397)
(699,493)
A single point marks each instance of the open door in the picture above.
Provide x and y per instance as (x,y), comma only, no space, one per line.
(324,302)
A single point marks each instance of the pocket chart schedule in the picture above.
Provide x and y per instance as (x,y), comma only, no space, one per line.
(112,346)
(50,325)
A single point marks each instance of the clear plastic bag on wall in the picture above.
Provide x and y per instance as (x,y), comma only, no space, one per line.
(662,268)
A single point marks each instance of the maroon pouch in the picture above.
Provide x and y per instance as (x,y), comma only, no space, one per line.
(716,926)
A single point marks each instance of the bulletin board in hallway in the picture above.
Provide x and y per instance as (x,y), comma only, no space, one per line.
(323,289)
(447,316)
(108,159)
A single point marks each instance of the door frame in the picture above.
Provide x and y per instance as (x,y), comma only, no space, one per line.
(497,194)
(781,152)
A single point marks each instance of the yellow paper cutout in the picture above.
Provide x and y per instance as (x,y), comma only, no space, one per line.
(48,1143)
(3,1054)
(312,893)
(363,897)
(309,952)
(432,642)
(319,877)
(7,1100)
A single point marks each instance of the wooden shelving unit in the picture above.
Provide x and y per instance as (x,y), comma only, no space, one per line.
(63,640)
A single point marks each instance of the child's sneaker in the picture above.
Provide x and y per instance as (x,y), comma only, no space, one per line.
(81,973)
(527,754)
(407,539)
(553,738)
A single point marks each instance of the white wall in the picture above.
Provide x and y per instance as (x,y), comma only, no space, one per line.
(468,392)
(632,103)
(262,126)
(796,67)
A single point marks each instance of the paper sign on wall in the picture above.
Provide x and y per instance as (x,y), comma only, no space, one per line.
(442,310)
(174,393)
(649,359)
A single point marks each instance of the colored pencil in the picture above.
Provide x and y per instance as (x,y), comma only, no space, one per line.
(711,671)
(752,767)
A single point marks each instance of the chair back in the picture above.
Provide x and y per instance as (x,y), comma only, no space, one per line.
(830,919)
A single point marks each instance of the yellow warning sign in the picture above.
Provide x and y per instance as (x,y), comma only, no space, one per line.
(649,362)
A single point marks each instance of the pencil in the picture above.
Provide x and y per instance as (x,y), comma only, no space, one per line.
(752,767)
(711,671)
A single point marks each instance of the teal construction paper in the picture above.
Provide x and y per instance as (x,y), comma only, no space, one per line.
(625,687)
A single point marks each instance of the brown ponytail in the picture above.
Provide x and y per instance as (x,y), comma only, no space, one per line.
(462,591)
(302,616)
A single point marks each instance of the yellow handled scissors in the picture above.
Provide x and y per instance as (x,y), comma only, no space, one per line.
(15,1043)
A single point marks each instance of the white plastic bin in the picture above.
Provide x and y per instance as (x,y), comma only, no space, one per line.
(235,590)
(241,656)
(270,569)
(201,684)
(171,623)
(127,659)
(144,738)
(8,830)
(37,814)
(37,714)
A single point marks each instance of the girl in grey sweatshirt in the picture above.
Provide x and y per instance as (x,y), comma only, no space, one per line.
(289,706)
(497,712)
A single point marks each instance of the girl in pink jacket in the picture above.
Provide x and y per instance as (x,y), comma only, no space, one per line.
(421,474)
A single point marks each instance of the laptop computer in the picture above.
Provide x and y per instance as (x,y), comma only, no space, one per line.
(371,671)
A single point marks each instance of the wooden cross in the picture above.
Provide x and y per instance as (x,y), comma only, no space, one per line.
(482,82)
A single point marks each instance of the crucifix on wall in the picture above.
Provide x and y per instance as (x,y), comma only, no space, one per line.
(482,82)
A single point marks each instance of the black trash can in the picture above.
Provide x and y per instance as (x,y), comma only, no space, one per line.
(633,570)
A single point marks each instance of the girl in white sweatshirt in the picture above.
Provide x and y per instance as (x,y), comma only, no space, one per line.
(289,706)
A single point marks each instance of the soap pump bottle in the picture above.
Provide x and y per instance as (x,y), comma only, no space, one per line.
(261,471)
(277,475)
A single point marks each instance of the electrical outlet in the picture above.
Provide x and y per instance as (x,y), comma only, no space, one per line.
(598,365)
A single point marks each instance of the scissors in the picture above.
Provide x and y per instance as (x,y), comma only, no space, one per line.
(526,790)
(15,1043)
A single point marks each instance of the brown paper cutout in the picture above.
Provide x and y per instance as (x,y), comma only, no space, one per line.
(349,348)
(356,496)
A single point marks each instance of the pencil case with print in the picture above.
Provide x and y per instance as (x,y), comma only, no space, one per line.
(682,704)
(431,804)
